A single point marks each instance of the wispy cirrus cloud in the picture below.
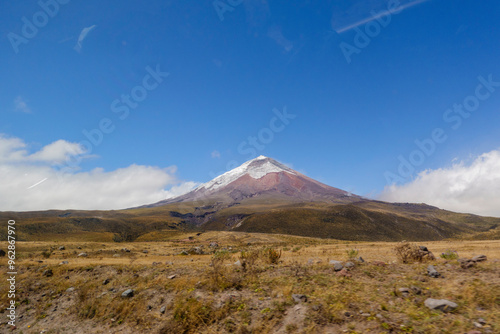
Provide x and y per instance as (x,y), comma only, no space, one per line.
(83,35)
(21,105)
(215,154)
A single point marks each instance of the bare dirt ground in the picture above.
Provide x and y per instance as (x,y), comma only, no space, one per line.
(241,286)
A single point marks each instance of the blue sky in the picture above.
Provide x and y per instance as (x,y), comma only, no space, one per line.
(232,65)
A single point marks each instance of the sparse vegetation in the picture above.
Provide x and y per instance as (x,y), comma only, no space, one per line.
(407,252)
(352,254)
(211,293)
(449,255)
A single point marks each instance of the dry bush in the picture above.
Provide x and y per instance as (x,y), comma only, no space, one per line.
(408,252)
(248,260)
(273,256)
(222,277)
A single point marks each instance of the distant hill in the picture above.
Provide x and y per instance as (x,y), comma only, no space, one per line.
(262,195)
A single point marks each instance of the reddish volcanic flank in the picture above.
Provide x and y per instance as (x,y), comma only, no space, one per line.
(264,176)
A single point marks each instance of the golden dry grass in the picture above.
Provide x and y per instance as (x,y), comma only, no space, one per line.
(203,298)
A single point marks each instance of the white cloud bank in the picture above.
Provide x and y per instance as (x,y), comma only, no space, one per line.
(470,188)
(29,181)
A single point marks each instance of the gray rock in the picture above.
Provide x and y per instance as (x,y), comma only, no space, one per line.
(128,293)
(126,250)
(423,248)
(238,263)
(163,309)
(479,258)
(116,255)
(337,265)
(349,264)
(71,289)
(404,291)
(82,255)
(48,273)
(62,248)
(64,262)
(299,298)
(106,281)
(213,244)
(432,272)
(172,276)
(145,251)
(361,259)
(481,321)
(183,253)
(440,304)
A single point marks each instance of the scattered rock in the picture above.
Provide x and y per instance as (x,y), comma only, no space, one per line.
(163,309)
(106,281)
(423,248)
(425,253)
(361,259)
(64,262)
(213,244)
(172,276)
(365,314)
(126,250)
(481,321)
(440,304)
(62,248)
(349,264)
(150,307)
(477,324)
(299,298)
(473,332)
(183,253)
(196,251)
(343,272)
(82,255)
(479,258)
(116,255)
(416,290)
(467,263)
(71,289)
(79,247)
(128,293)
(405,292)
(2,253)
(145,251)
(48,273)
(337,265)
(432,272)
(379,263)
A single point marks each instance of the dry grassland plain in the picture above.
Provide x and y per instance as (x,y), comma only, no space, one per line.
(247,284)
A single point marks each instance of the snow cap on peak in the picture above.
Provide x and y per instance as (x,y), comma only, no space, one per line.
(256,168)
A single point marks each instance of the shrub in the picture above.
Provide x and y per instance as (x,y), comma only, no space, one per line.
(273,255)
(248,259)
(46,253)
(408,252)
(352,253)
(449,255)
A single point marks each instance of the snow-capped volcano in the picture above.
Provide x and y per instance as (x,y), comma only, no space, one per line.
(255,168)
(260,177)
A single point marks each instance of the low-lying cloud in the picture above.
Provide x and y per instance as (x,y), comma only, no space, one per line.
(30,181)
(471,188)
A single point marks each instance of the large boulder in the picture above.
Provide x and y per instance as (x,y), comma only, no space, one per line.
(440,304)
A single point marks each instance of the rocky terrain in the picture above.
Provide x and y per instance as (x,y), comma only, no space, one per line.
(228,282)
